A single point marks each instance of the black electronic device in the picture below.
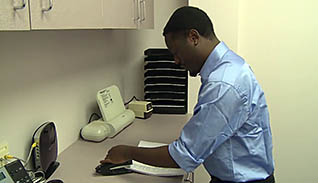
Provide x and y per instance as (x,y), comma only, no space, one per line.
(108,169)
(45,151)
(14,172)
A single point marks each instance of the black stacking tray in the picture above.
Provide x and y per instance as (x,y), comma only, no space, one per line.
(165,83)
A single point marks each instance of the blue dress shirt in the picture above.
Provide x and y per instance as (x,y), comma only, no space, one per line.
(229,131)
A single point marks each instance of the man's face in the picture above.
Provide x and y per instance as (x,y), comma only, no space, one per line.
(182,51)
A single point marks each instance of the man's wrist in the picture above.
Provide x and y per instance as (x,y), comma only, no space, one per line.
(131,152)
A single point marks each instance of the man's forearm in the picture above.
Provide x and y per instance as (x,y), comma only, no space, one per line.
(153,156)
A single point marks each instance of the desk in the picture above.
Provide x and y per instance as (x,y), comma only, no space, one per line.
(78,162)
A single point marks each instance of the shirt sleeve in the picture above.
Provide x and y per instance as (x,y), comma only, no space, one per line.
(220,111)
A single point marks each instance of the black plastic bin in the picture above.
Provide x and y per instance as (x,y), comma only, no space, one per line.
(165,83)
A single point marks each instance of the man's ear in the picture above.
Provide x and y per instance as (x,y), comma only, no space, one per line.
(194,36)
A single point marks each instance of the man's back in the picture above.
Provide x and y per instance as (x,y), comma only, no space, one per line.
(230,130)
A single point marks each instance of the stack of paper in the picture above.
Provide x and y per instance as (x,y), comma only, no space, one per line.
(153,170)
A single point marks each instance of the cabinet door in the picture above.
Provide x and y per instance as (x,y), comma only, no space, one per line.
(66,14)
(146,12)
(128,14)
(14,15)
(121,14)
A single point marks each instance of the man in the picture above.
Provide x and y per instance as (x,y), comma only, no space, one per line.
(229,131)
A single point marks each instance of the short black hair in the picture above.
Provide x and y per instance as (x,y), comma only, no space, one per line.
(188,17)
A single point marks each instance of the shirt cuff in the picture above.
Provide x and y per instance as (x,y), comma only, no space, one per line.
(182,156)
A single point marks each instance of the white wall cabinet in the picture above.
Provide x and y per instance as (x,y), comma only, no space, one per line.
(69,14)
(128,14)
(146,11)
(76,14)
(14,15)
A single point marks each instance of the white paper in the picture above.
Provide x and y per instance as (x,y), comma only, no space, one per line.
(153,170)
(143,143)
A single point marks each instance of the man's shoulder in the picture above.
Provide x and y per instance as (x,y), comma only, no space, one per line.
(229,69)
(235,75)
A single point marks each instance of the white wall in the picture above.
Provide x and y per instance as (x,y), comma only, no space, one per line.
(278,39)
(54,75)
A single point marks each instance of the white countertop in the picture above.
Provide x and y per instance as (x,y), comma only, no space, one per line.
(78,162)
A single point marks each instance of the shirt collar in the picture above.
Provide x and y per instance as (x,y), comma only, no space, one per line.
(213,59)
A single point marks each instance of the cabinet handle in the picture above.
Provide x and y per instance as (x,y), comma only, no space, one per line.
(136,8)
(50,6)
(20,7)
(189,177)
(143,10)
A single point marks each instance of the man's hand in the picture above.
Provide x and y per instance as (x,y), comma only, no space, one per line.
(118,154)
(158,156)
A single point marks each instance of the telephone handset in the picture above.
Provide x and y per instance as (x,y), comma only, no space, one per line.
(115,116)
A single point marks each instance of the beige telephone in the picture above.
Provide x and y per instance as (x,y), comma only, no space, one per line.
(115,116)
